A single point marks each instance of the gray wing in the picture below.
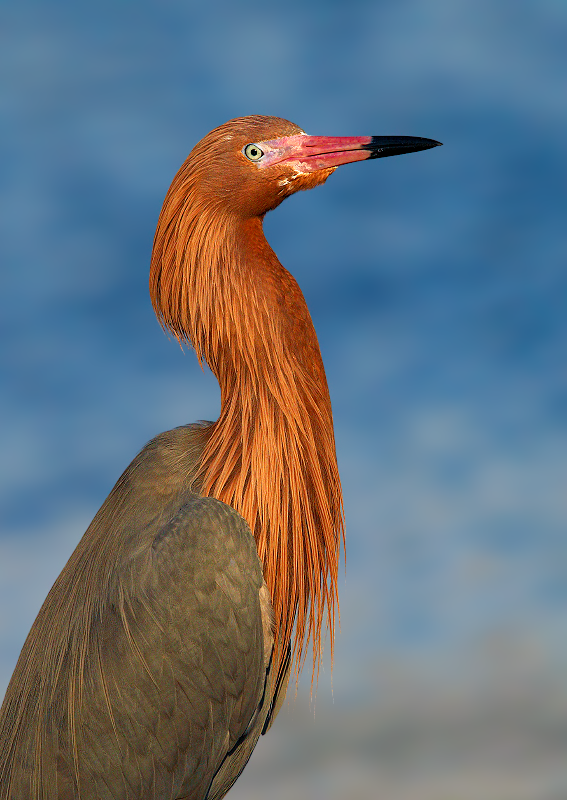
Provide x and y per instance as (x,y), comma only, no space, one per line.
(174,676)
(181,664)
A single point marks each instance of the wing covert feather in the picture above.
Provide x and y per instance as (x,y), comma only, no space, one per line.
(147,685)
(183,660)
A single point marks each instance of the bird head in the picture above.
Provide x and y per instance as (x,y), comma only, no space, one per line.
(251,164)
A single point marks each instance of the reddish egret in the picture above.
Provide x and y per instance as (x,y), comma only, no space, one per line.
(165,646)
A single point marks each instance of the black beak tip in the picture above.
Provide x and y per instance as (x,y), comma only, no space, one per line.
(382,146)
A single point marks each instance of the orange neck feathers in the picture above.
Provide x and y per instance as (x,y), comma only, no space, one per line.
(216,283)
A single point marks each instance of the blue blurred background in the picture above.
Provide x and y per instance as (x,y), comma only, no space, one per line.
(437,283)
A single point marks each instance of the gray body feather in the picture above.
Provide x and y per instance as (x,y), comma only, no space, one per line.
(147,671)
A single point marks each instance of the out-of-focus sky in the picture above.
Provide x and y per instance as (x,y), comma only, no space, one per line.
(437,283)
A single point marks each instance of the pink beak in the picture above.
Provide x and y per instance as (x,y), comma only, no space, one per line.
(311,153)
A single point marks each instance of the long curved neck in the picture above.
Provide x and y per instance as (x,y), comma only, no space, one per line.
(269,343)
(271,453)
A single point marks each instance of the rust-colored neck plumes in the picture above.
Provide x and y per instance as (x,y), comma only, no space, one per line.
(216,282)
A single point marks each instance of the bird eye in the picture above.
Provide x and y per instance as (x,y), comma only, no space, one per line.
(253,152)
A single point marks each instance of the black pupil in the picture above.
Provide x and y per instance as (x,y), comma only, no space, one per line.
(253,152)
